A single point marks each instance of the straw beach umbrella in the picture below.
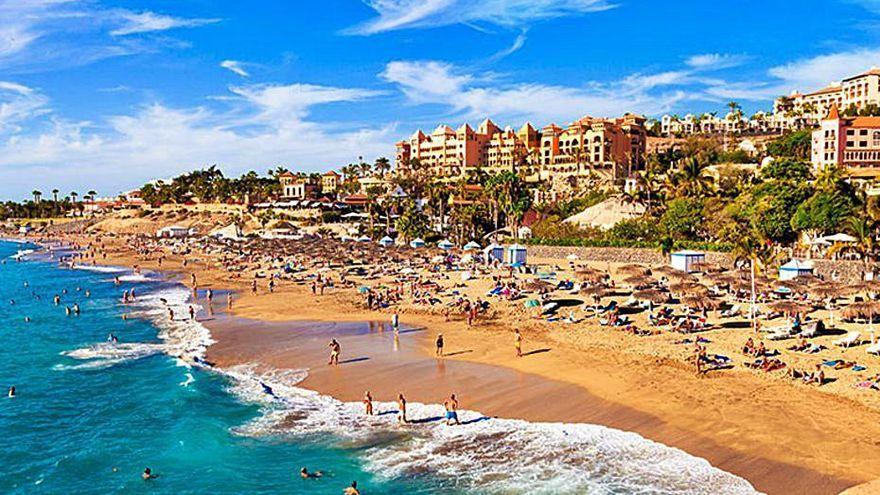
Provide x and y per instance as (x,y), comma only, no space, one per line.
(652,295)
(638,280)
(689,288)
(700,301)
(633,269)
(790,307)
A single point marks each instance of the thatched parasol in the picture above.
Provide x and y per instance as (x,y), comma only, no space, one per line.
(537,285)
(690,288)
(588,274)
(664,270)
(790,307)
(653,295)
(638,280)
(700,301)
(597,291)
(864,309)
(633,269)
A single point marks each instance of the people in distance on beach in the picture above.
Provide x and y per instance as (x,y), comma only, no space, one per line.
(11,393)
(395,321)
(517,342)
(401,409)
(305,474)
(170,314)
(254,287)
(335,350)
(192,313)
(368,403)
(439,345)
(353,489)
(451,405)
(148,474)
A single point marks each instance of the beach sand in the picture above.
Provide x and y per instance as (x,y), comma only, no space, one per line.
(783,437)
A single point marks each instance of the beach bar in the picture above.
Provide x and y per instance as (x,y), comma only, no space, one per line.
(686,260)
(515,254)
(493,252)
(174,231)
(795,268)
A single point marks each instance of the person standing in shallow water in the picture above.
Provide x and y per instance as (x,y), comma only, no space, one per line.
(401,409)
(368,403)
(517,342)
(439,345)
(451,405)
(335,350)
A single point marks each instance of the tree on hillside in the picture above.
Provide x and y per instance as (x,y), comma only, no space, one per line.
(797,145)
(37,195)
(510,195)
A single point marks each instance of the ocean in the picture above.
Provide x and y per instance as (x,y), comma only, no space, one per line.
(89,415)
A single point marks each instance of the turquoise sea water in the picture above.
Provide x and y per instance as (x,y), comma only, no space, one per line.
(89,416)
(91,426)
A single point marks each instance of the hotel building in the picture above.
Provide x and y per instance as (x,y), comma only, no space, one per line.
(851,142)
(585,145)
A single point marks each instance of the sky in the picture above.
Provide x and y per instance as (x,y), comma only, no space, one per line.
(106,95)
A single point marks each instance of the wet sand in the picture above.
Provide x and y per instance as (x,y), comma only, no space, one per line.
(374,359)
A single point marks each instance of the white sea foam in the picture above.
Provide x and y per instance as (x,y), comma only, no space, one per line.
(182,338)
(109,354)
(22,253)
(135,277)
(100,268)
(484,455)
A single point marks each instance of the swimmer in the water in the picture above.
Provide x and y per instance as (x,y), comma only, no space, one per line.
(57,299)
(67,310)
(76,309)
(170,314)
(305,474)
(27,319)
(353,489)
(148,474)
(11,393)
(368,403)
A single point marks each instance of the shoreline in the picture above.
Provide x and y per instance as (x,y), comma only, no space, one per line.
(291,303)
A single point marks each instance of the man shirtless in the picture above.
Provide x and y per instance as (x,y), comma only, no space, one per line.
(451,405)
(335,349)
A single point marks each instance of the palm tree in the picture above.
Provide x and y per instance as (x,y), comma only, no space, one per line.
(382,165)
(92,195)
(863,229)
(55,195)
(691,180)
(37,195)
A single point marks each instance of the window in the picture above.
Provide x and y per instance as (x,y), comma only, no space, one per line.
(876,139)
(863,132)
(850,143)
(863,144)
(850,132)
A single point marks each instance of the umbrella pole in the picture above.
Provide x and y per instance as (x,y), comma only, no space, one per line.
(752,305)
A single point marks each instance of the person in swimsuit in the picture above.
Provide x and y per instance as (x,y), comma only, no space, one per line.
(353,489)
(11,393)
(148,474)
(305,474)
(517,342)
(368,403)
(451,405)
(401,408)
(440,345)
(335,350)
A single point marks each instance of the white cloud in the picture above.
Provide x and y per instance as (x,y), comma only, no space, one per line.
(403,14)
(715,61)
(234,66)
(37,35)
(518,43)
(805,75)
(19,103)
(265,125)
(817,72)
(470,97)
(146,22)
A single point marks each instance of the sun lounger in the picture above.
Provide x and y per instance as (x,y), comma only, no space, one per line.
(730,313)
(874,349)
(811,329)
(780,334)
(851,339)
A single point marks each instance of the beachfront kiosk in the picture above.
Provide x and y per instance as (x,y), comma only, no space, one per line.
(795,268)
(515,254)
(686,260)
(386,241)
(493,252)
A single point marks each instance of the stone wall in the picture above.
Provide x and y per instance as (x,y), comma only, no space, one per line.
(846,271)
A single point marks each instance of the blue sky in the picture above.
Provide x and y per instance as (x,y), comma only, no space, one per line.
(105,95)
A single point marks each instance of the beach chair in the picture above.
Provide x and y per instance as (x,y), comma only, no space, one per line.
(781,333)
(851,339)
(811,329)
(873,349)
(731,312)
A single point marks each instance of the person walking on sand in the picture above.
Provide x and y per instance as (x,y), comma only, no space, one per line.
(401,409)
(395,321)
(439,345)
(335,350)
(368,403)
(254,287)
(193,280)
(517,342)
(192,313)
(229,300)
(451,405)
